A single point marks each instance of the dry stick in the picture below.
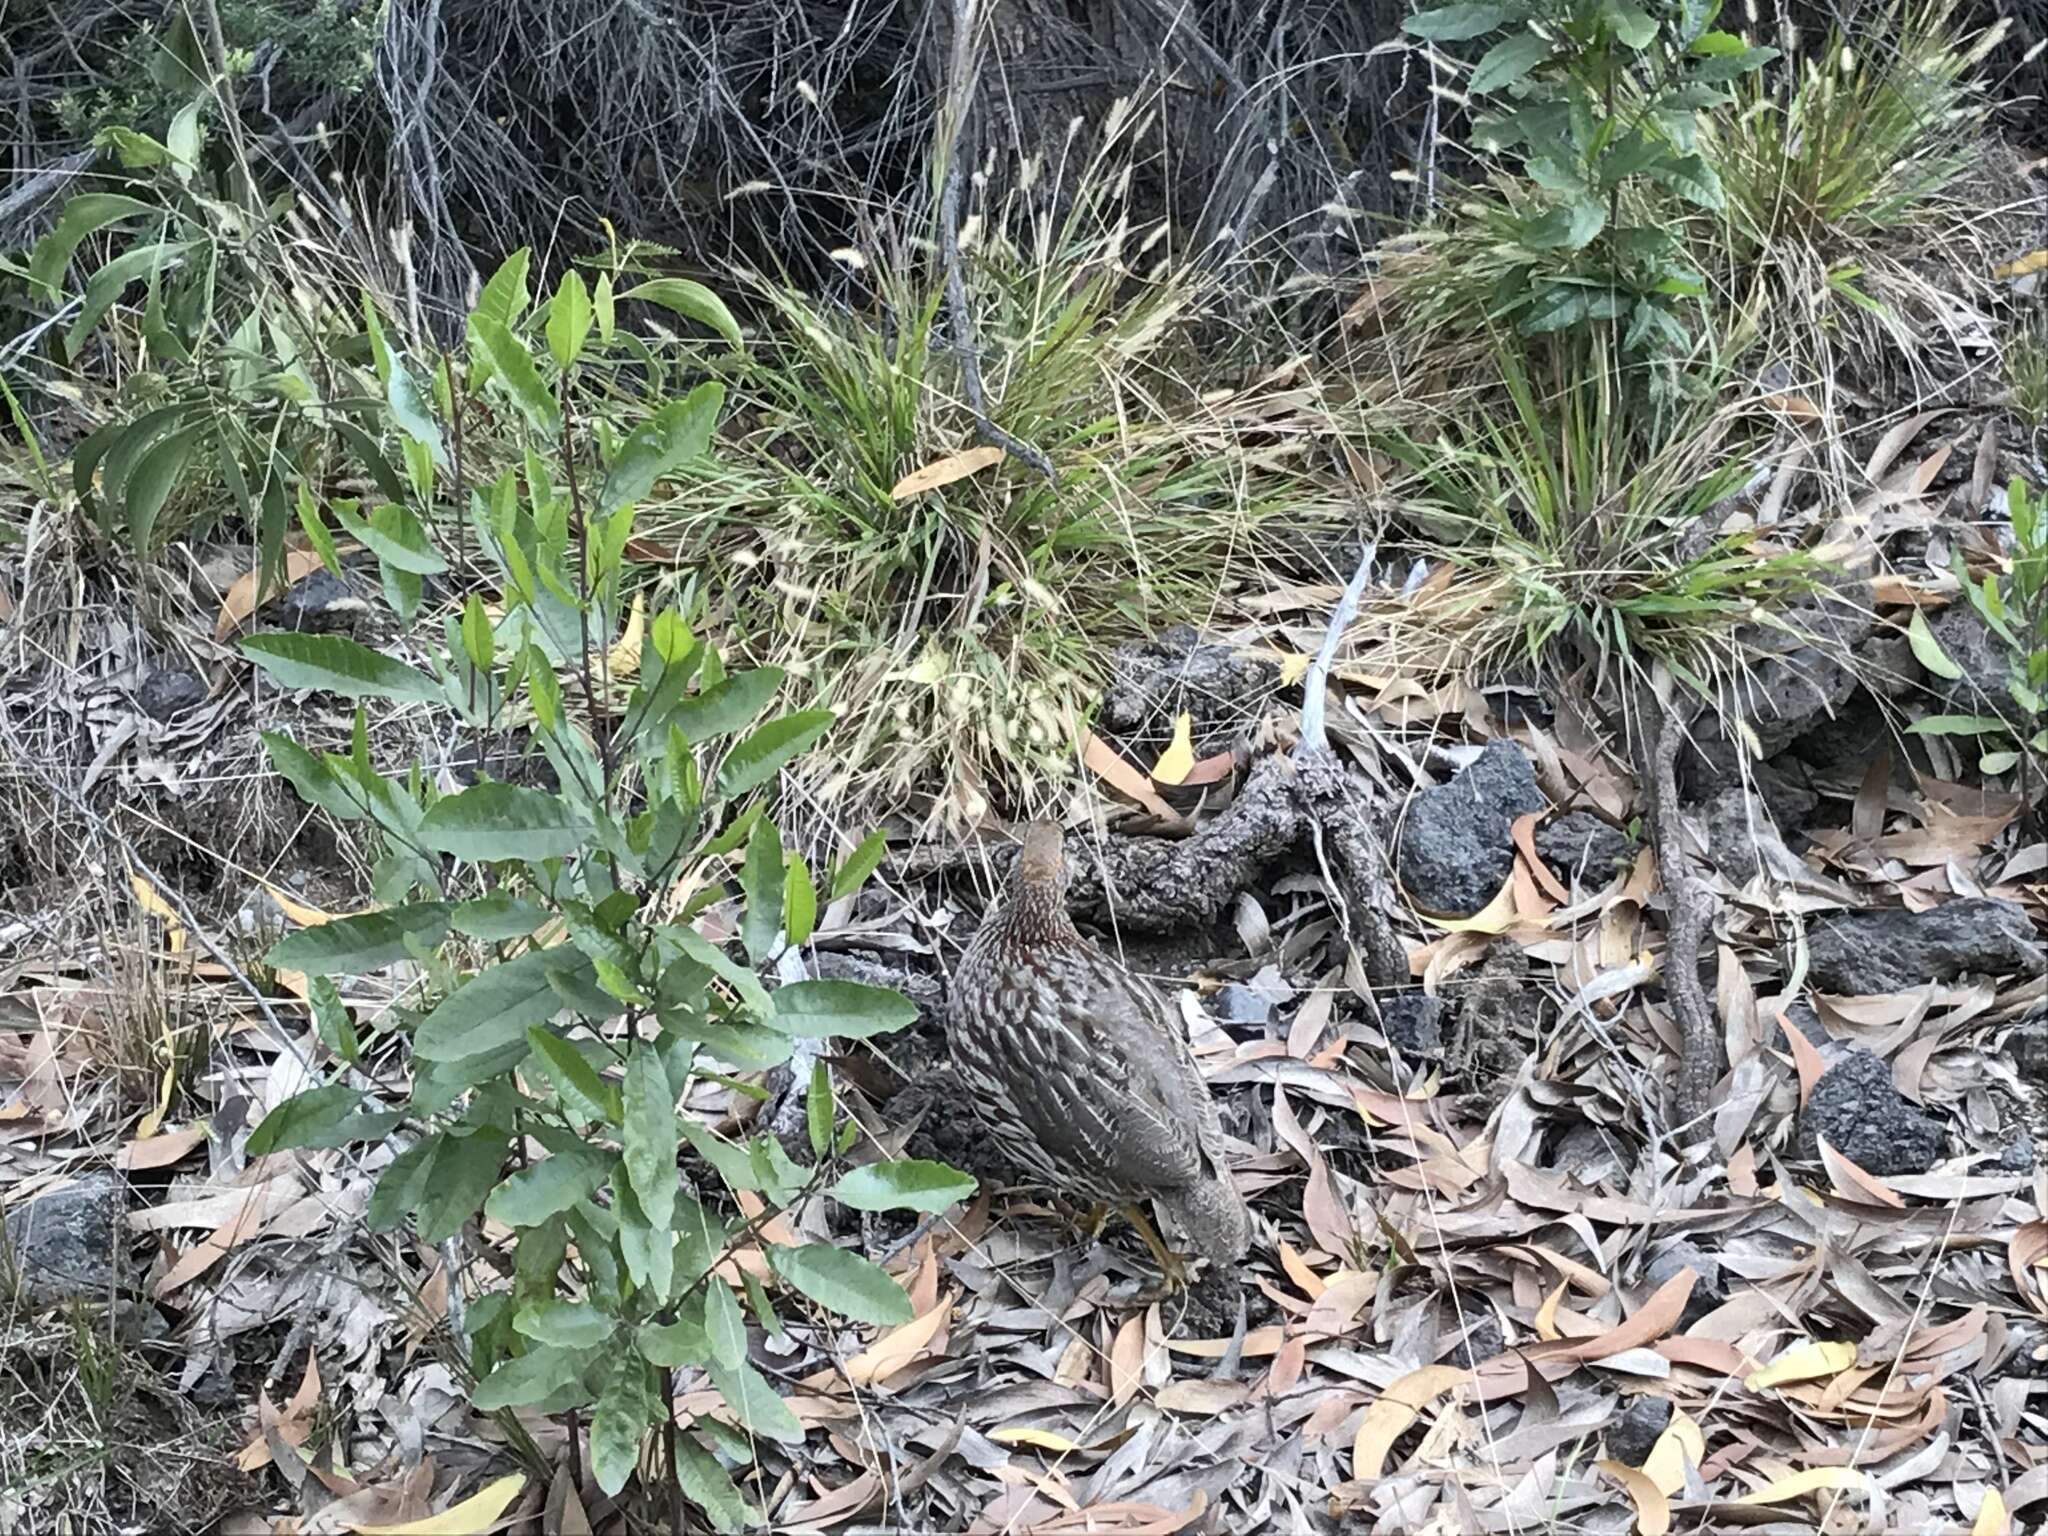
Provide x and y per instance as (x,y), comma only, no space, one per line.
(963,75)
(1699,1044)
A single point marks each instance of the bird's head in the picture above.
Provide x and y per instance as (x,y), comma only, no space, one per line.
(1037,908)
(1042,861)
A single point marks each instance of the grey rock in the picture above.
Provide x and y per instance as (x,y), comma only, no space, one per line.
(1579,847)
(1591,1154)
(1853,954)
(2016,1156)
(320,603)
(1220,686)
(1968,641)
(70,1244)
(1802,673)
(1413,1024)
(1483,1337)
(1864,1117)
(1708,1292)
(1635,1429)
(1802,1018)
(1236,1003)
(169,691)
(1457,843)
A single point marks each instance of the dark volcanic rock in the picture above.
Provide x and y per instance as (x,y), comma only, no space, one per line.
(1707,1293)
(1413,1024)
(1863,1117)
(1457,843)
(169,691)
(1579,846)
(318,602)
(1636,1428)
(1221,686)
(1852,954)
(1589,1154)
(1236,1003)
(70,1244)
(1967,640)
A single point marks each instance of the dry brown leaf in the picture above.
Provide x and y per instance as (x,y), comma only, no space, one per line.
(1805,1058)
(940,472)
(1394,1410)
(1524,830)
(1107,764)
(1127,1360)
(1653,1509)
(898,1347)
(1202,1395)
(1894,442)
(1680,1443)
(1804,1362)
(473,1516)
(1854,1183)
(1297,1269)
(160,1150)
(240,600)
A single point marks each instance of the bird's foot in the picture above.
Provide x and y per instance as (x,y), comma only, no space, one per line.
(1175,1269)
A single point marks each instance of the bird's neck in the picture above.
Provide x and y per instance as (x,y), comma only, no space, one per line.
(1036,914)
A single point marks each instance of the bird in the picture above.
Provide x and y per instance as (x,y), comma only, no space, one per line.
(1082,1073)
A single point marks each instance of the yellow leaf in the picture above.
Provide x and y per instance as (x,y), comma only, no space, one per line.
(472,1515)
(1653,1509)
(2026,266)
(300,913)
(1992,1520)
(623,660)
(1293,668)
(1803,1362)
(1044,1439)
(1681,1442)
(1797,1485)
(1394,1410)
(945,471)
(154,904)
(1179,756)
(1497,916)
(898,1347)
(1546,1315)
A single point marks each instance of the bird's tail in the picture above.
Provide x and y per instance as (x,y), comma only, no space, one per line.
(1213,1217)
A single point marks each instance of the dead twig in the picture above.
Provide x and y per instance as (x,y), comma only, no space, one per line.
(1690,913)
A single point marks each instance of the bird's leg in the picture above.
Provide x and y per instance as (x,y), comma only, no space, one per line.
(1087,1223)
(1173,1267)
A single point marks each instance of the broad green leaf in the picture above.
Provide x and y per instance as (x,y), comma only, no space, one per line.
(1711,44)
(862,862)
(818,1109)
(1457,23)
(569,319)
(912,1184)
(674,1344)
(727,705)
(753,1402)
(799,902)
(493,1007)
(649,1251)
(841,1282)
(490,822)
(693,301)
(1570,226)
(548,1188)
(464,1171)
(570,1324)
(605,307)
(649,1136)
(1995,763)
(619,1423)
(339,665)
(1927,650)
(725,1326)
(503,298)
(710,1488)
(577,1083)
(309,1119)
(762,755)
(495,919)
(85,214)
(394,536)
(364,942)
(672,436)
(851,1009)
(534,1377)
(1957,725)
(151,482)
(764,1309)
(513,366)
(761,882)
(744,1046)
(410,409)
(331,1021)
(1508,61)
(734,1163)
(1730,66)
(1634,27)
(1693,179)
(403,1185)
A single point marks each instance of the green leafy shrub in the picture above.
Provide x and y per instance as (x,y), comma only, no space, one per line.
(574,998)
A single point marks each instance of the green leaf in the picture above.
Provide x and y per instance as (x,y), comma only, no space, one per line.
(650,1134)
(818,1109)
(364,942)
(761,881)
(693,301)
(734,1164)
(862,862)
(494,919)
(1692,179)
(1457,23)
(1995,763)
(1730,66)
(403,1185)
(841,1282)
(410,409)
(533,1377)
(675,434)
(1508,61)
(1570,226)
(753,1402)
(850,1009)
(1634,27)
(85,214)
(569,326)
(394,536)
(674,1344)
(799,902)
(728,705)
(1927,650)
(492,1008)
(490,822)
(649,1251)
(710,1487)
(1957,725)
(605,307)
(549,1187)
(577,1083)
(619,1423)
(309,1119)
(569,1324)
(762,755)
(513,365)
(331,1021)
(1712,44)
(339,665)
(725,1326)
(464,1172)
(912,1184)
(153,479)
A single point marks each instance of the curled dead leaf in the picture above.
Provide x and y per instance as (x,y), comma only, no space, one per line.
(942,472)
(1394,1410)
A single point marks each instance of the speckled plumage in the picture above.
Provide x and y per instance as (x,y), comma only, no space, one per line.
(1081,1070)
